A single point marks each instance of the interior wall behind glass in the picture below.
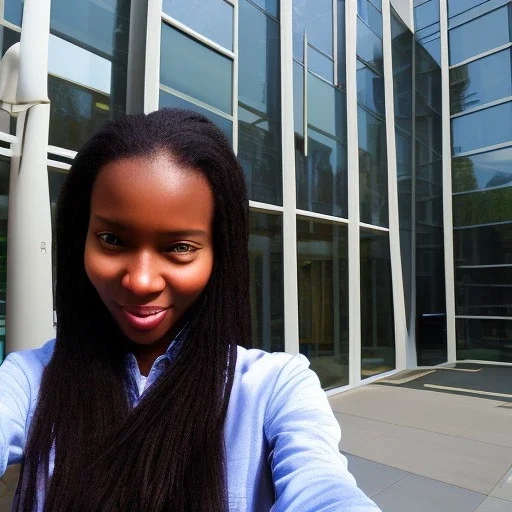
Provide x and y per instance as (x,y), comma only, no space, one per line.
(87,65)
(322,266)
(259,103)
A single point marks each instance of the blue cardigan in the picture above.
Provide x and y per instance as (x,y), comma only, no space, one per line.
(280,433)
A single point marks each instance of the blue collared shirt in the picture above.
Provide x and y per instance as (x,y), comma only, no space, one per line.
(280,433)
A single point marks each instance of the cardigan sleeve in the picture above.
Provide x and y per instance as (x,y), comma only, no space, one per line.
(14,409)
(309,472)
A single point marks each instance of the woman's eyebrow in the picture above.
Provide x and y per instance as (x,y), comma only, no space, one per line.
(124,226)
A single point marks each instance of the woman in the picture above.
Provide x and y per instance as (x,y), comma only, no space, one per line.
(146,400)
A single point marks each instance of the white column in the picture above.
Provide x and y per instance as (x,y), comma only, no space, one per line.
(394,223)
(447,186)
(291,313)
(29,320)
(354,264)
(152,71)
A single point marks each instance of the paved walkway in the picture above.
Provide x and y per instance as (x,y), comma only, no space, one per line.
(416,449)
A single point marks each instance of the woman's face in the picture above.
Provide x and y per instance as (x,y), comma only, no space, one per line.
(149,247)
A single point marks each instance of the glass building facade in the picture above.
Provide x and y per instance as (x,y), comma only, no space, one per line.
(376,141)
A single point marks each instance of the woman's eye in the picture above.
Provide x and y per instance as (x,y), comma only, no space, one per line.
(182,248)
(110,239)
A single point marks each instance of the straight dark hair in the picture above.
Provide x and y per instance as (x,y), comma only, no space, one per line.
(167,453)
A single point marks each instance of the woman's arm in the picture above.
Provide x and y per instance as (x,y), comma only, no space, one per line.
(14,408)
(309,472)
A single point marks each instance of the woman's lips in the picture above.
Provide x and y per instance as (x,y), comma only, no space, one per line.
(144,318)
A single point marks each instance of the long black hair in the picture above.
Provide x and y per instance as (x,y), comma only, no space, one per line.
(168,452)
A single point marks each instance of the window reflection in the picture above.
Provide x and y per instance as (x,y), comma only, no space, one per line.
(211,18)
(172,101)
(493,30)
(482,206)
(266,266)
(259,112)
(485,340)
(481,81)
(195,69)
(323,299)
(369,47)
(13,11)
(377,321)
(486,127)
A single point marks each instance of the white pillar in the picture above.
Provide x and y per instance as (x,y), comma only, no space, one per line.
(29,320)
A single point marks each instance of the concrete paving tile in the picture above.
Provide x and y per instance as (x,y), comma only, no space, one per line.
(419,494)
(495,505)
(373,477)
(493,427)
(504,488)
(461,462)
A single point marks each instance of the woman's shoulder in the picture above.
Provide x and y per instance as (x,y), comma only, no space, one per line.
(267,363)
(30,362)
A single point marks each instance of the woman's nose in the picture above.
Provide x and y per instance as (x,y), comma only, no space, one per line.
(143,276)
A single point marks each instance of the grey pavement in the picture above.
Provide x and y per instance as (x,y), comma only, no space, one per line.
(420,450)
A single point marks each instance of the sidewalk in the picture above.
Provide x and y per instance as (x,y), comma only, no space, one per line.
(428,441)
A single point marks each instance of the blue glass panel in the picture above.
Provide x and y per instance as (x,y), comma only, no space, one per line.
(13,11)
(271,6)
(479,35)
(426,14)
(326,107)
(471,9)
(482,207)
(481,81)
(211,18)
(369,46)
(371,16)
(195,69)
(169,100)
(456,7)
(298,98)
(320,64)
(480,129)
(316,19)
(370,89)
(485,170)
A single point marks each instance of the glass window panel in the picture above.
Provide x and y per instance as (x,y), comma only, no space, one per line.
(211,18)
(426,14)
(483,245)
(76,112)
(428,79)
(371,15)
(4,201)
(481,81)
(428,125)
(456,7)
(271,6)
(479,35)
(195,69)
(322,262)
(169,100)
(370,89)
(259,154)
(482,207)
(320,64)
(316,19)
(377,325)
(377,4)
(486,127)
(485,170)
(484,291)
(102,26)
(267,295)
(373,176)
(13,12)
(259,112)
(369,46)
(341,45)
(322,176)
(485,340)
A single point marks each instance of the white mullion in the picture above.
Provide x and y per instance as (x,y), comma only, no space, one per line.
(354,264)
(55,150)
(265,207)
(54,164)
(6,152)
(169,20)
(291,300)
(447,186)
(373,227)
(483,317)
(394,220)
(494,147)
(235,76)
(321,216)
(485,106)
(152,69)
(7,137)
